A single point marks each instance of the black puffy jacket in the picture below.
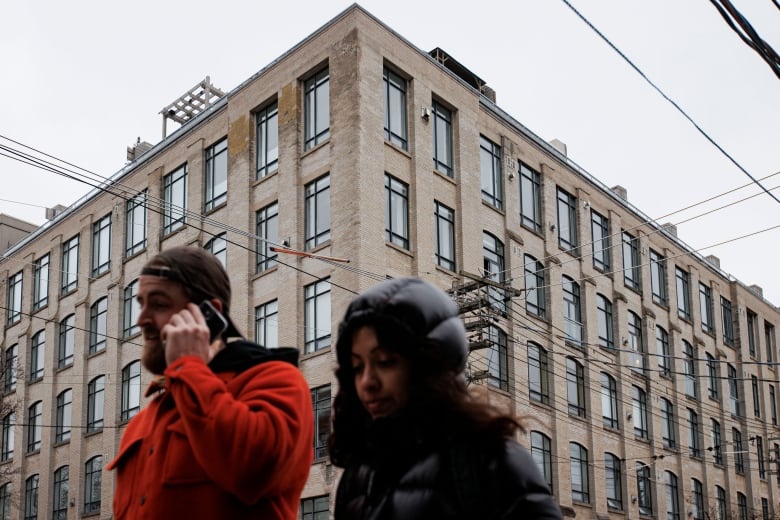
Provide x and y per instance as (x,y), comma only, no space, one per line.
(405,476)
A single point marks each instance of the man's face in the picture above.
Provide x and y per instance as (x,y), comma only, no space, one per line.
(159,300)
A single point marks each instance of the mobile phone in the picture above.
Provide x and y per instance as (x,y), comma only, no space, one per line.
(215,321)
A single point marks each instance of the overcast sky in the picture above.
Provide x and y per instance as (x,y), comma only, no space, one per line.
(82,80)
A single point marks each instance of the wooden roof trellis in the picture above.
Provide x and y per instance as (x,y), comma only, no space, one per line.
(190,104)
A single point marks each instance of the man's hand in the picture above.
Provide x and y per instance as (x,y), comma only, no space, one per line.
(186,334)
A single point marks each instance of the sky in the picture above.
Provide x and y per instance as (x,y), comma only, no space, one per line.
(82,80)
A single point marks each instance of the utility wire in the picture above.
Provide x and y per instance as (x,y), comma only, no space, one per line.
(671,101)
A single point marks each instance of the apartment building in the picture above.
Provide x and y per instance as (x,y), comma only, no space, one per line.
(646,376)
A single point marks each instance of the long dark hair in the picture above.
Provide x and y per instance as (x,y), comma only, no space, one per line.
(440,398)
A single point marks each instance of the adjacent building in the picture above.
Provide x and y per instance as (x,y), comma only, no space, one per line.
(646,375)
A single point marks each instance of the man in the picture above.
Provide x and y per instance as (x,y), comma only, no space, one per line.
(229,431)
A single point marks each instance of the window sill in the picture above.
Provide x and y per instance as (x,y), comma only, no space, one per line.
(308,151)
(216,208)
(444,176)
(93,433)
(91,355)
(316,353)
(134,254)
(400,149)
(265,272)
(400,249)
(262,179)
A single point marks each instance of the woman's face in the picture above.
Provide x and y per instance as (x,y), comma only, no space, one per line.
(381,376)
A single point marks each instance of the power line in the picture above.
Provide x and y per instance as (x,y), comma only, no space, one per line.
(671,101)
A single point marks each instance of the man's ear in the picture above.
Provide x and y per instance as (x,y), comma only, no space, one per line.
(217,303)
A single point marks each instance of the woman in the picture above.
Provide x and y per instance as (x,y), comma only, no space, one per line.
(412,442)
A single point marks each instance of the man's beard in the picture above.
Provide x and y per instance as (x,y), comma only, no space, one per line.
(153,357)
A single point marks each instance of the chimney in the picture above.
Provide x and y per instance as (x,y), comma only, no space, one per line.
(559,145)
(620,191)
(714,260)
(757,290)
(51,213)
(138,149)
(671,229)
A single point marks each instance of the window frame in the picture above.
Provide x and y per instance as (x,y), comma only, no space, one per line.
(668,428)
(705,308)
(443,151)
(580,487)
(658,278)
(217,246)
(66,346)
(639,412)
(174,211)
(267,324)
(98,325)
(37,355)
(317,212)
(317,329)
(96,403)
(567,221)
(396,125)
(131,309)
(14,301)
(444,223)
(694,434)
(600,241)
(267,231)
(683,284)
(31,490)
(498,358)
(34,427)
(610,414)
(396,211)
(541,453)
(131,391)
(135,211)
(40,297)
(70,265)
(321,404)
(215,160)
(576,397)
(7,443)
(266,129)
(60,496)
(632,275)
(93,477)
(727,320)
(612,472)
(101,245)
(492,179)
(535,301)
(663,351)
(538,379)
(574,332)
(316,101)
(63,427)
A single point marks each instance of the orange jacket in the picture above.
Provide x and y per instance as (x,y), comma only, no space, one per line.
(222,445)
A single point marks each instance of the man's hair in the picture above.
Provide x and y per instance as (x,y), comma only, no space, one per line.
(200,273)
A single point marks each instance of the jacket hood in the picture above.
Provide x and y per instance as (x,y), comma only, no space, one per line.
(425,313)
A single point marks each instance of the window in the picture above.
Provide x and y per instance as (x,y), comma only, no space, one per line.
(31,497)
(635,343)
(689,369)
(567,220)
(756,401)
(444,218)
(317,316)
(658,277)
(672,496)
(498,359)
(764,508)
(135,225)
(697,500)
(705,307)
(713,379)
(60,499)
(720,503)
(769,340)
(315,508)
(101,245)
(267,231)
(773,405)
(34,426)
(7,448)
(6,493)
(40,283)
(683,293)
(267,140)
(216,175)
(530,198)
(267,324)
(760,454)
(644,489)
(717,453)
(442,139)
(639,412)
(541,452)
(538,374)
(575,387)
(614,481)
(631,273)
(396,212)
(395,108)
(93,472)
(217,246)
(67,342)
(605,322)
(131,310)
(98,322)
(599,229)
(668,431)
(734,405)
(37,355)
(728,321)
(490,168)
(10,368)
(534,287)
(493,269)
(694,444)
(580,488)
(316,107)
(320,398)
(64,409)
(70,265)
(131,390)
(662,348)
(742,506)
(174,199)
(609,402)
(317,203)
(14,304)
(95,400)
(572,314)
(752,321)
